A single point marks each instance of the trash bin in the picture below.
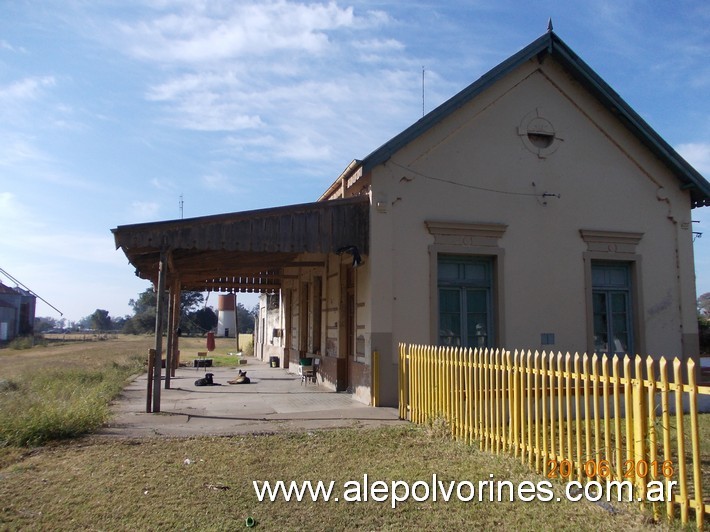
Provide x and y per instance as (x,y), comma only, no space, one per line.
(274,362)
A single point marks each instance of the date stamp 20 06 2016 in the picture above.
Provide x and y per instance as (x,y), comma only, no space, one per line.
(603,469)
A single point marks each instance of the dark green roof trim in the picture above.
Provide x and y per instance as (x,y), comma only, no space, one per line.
(551,44)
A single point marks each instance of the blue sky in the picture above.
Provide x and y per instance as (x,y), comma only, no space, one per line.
(110,111)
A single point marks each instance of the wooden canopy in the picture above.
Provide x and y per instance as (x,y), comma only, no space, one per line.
(245,251)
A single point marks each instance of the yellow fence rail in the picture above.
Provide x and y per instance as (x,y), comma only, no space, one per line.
(568,416)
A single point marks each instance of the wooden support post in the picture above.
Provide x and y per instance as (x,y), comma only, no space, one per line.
(162,271)
(149,392)
(236,321)
(169,340)
(175,356)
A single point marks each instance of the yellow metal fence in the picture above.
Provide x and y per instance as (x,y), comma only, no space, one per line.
(568,416)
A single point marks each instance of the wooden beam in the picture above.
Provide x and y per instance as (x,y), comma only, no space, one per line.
(175,292)
(160,311)
(169,337)
(232,287)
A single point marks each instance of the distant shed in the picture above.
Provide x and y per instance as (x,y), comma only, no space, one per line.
(17,313)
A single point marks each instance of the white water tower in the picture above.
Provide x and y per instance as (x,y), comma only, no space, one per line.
(227,315)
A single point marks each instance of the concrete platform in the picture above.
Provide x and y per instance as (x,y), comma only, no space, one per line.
(274,401)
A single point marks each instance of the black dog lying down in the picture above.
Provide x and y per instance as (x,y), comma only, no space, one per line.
(241,379)
(207,381)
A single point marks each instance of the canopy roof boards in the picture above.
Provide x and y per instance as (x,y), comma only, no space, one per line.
(245,251)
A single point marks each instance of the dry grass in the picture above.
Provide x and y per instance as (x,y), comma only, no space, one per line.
(191,345)
(62,391)
(72,354)
(101,483)
(141,485)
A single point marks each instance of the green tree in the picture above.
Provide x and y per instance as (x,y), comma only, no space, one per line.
(100,320)
(200,321)
(44,324)
(703,304)
(145,310)
(245,319)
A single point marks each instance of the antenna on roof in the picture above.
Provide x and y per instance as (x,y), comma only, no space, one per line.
(181,205)
(422,90)
(549,25)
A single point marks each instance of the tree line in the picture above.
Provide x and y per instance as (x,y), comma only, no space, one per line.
(196,318)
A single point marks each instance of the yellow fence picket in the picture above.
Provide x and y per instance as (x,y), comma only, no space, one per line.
(666,427)
(597,417)
(574,414)
(578,418)
(695,442)
(616,380)
(652,434)
(682,472)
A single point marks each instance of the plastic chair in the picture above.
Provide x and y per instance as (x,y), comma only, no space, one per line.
(308,369)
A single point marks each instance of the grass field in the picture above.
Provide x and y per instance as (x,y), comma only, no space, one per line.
(105,483)
(150,485)
(62,390)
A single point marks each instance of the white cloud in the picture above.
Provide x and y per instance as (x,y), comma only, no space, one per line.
(4,45)
(26,106)
(11,210)
(378,50)
(161,184)
(289,77)
(217,182)
(207,101)
(24,89)
(304,146)
(379,45)
(698,155)
(14,151)
(216,31)
(144,210)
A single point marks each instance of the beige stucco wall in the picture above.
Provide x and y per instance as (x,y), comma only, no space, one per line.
(266,343)
(337,371)
(605,179)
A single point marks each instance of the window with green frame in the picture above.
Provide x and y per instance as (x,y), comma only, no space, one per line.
(465,301)
(612,307)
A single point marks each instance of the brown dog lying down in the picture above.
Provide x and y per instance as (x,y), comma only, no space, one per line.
(207,381)
(241,379)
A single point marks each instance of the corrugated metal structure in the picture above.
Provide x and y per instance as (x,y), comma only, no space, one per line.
(244,251)
(17,313)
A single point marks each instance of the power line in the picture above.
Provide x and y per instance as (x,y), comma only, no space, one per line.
(474,187)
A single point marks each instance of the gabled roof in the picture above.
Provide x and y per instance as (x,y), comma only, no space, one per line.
(551,45)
